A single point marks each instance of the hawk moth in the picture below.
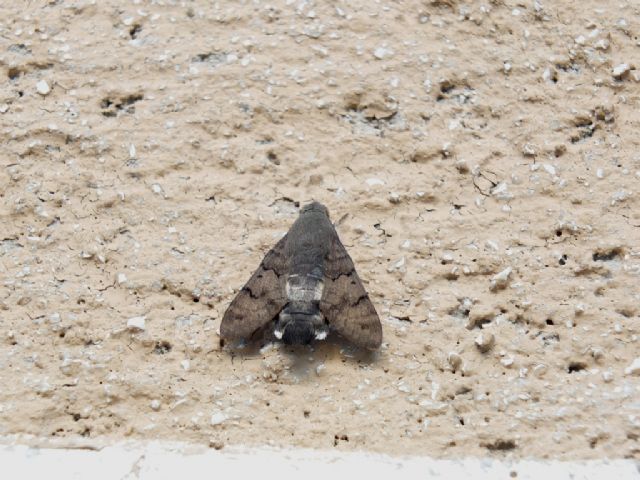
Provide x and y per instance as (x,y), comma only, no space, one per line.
(306,284)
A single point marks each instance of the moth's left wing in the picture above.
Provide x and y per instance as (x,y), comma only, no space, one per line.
(345,303)
(260,300)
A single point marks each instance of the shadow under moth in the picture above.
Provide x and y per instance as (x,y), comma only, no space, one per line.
(305,287)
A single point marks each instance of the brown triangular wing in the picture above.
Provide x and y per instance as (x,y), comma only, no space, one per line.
(260,300)
(345,303)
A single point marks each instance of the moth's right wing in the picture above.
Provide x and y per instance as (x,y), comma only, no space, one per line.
(345,303)
(260,300)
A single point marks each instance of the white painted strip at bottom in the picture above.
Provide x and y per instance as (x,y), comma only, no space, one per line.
(163,460)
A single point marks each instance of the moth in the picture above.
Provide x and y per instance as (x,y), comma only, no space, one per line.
(307,286)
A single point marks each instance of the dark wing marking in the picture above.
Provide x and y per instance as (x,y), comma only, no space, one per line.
(345,303)
(260,300)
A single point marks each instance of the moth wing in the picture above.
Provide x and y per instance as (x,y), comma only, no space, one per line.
(260,300)
(345,303)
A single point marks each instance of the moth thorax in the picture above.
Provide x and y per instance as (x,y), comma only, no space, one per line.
(304,288)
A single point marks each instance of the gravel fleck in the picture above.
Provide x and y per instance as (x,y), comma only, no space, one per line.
(454,359)
(540,370)
(394,197)
(485,341)
(501,191)
(619,71)
(447,257)
(381,52)
(634,368)
(550,169)
(433,408)
(374,181)
(136,324)
(397,266)
(500,280)
(507,361)
(529,150)
(218,418)
(43,88)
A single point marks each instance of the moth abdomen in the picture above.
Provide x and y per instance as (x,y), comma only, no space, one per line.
(300,322)
(298,332)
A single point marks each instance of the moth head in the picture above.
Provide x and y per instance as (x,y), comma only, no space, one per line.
(315,207)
